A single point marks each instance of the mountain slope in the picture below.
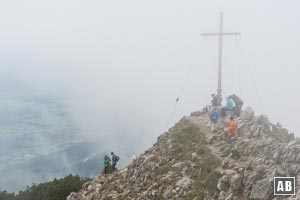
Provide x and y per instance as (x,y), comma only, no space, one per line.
(191,162)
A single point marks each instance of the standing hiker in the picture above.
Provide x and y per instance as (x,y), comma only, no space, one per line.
(229,103)
(107,166)
(209,110)
(228,107)
(114,159)
(219,99)
(238,104)
(231,129)
(215,100)
(214,116)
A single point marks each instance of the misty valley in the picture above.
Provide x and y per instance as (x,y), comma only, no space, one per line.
(39,142)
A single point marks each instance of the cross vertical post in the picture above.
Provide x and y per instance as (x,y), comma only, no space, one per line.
(220,57)
(220,34)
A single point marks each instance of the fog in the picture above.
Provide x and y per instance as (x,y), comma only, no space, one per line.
(120,65)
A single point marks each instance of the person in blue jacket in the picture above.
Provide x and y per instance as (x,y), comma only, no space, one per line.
(113,161)
(214,117)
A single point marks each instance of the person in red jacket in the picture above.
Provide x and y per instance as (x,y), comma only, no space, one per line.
(231,129)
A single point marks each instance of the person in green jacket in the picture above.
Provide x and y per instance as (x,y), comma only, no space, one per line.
(238,104)
(107,166)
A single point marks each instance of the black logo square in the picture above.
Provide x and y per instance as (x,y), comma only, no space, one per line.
(284,185)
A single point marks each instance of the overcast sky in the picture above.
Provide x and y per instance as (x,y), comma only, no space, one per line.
(128,60)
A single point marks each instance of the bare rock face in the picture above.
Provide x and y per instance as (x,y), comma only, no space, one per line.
(190,162)
(184,183)
(261,190)
(247,114)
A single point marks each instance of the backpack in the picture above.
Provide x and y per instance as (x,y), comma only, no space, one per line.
(117,158)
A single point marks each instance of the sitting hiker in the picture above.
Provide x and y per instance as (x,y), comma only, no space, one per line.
(231,129)
(214,116)
(114,159)
(228,107)
(238,104)
(107,166)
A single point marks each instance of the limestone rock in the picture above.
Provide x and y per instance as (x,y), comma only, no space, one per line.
(262,190)
(247,114)
(184,183)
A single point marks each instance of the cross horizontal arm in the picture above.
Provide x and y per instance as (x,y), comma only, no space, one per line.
(217,34)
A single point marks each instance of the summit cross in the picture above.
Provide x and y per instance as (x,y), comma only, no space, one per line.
(220,35)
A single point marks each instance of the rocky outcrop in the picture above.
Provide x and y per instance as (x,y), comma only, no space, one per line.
(189,162)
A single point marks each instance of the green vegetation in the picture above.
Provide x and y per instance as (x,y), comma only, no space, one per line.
(278,135)
(192,139)
(260,173)
(58,189)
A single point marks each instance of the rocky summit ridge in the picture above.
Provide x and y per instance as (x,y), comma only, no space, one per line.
(190,162)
